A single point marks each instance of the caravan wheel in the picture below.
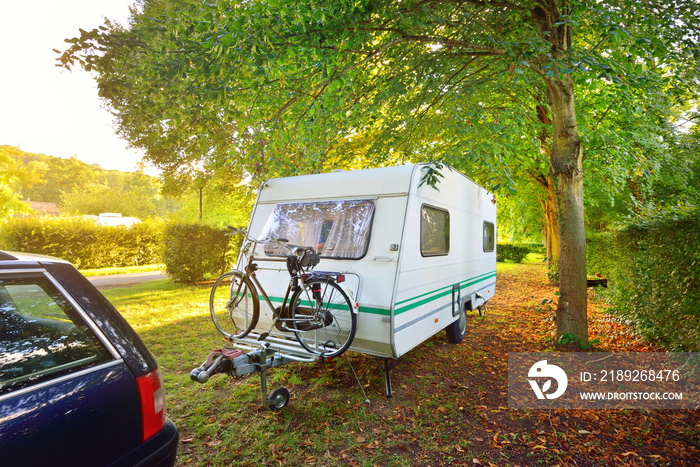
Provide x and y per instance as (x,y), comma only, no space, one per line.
(457,330)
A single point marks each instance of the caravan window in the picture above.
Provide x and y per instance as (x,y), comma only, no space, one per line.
(434,231)
(336,229)
(489,236)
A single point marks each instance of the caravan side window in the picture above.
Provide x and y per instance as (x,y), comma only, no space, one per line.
(434,231)
(489,236)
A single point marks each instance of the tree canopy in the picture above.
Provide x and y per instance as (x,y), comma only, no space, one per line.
(513,90)
(10,172)
(275,86)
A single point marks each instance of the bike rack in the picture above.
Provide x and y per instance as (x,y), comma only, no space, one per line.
(260,357)
(254,353)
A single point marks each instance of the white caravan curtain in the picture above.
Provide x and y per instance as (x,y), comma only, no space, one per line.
(335,229)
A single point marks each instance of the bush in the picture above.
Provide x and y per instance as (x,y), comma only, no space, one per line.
(653,272)
(83,242)
(534,247)
(192,252)
(511,252)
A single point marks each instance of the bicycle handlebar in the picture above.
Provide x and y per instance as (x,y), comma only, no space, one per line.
(250,238)
(295,250)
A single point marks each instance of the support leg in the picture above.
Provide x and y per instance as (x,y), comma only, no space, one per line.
(387,378)
(263,367)
(263,383)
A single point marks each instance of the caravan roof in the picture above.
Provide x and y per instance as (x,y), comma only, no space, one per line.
(340,184)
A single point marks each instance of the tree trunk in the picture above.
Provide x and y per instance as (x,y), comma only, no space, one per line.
(551,223)
(200,204)
(549,202)
(566,171)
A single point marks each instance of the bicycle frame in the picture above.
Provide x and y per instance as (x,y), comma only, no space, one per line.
(261,289)
(248,250)
(318,312)
(301,280)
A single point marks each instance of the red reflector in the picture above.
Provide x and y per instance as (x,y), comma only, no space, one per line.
(340,278)
(152,395)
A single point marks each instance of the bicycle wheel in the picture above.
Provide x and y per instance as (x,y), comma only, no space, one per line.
(322,317)
(234,305)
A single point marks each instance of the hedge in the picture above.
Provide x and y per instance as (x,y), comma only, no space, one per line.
(511,252)
(83,242)
(653,272)
(193,252)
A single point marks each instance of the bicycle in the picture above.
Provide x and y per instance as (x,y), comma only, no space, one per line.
(315,308)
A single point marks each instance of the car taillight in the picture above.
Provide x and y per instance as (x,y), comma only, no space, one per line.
(152,395)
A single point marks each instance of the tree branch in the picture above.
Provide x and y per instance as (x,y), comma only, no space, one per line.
(477,48)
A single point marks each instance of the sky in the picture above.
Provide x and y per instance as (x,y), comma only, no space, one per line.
(49,110)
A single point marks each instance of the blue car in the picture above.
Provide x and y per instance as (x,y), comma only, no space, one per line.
(78,387)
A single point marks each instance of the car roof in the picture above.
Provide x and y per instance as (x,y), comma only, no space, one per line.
(13,260)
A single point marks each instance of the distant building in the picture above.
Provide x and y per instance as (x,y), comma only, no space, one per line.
(113,218)
(43,209)
(105,218)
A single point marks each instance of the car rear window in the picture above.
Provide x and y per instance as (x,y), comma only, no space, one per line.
(42,336)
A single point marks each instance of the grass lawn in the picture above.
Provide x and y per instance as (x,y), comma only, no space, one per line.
(450,404)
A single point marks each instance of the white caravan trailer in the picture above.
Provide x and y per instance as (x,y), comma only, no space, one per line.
(415,258)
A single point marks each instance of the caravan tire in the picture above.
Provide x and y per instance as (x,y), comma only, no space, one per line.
(457,330)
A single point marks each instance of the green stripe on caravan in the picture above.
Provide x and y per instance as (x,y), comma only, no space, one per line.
(375,310)
(336,306)
(429,297)
(439,293)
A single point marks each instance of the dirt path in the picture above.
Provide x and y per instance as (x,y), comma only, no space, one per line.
(521,323)
(125,280)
